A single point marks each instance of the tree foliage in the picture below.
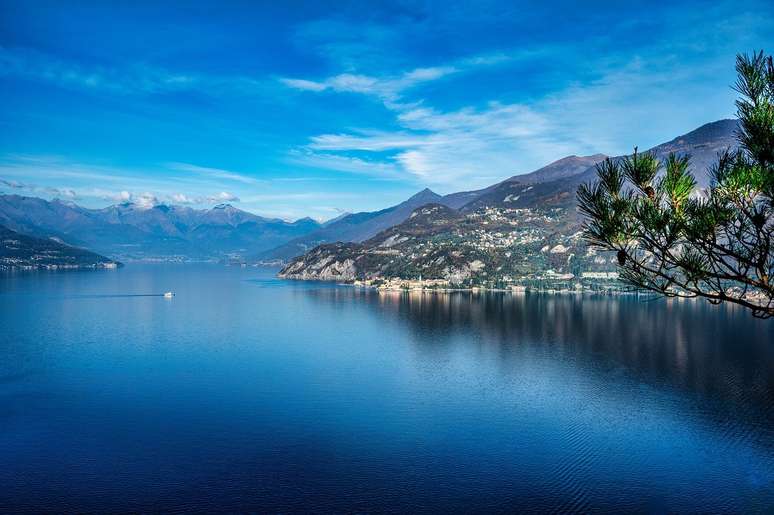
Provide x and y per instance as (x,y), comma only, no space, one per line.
(678,241)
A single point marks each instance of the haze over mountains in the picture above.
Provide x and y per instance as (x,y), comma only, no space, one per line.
(130,232)
(162,231)
(353,227)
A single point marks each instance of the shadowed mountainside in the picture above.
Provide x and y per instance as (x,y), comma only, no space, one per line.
(353,227)
(18,251)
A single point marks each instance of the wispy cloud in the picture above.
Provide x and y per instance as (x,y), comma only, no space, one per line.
(35,65)
(457,148)
(454,97)
(145,200)
(133,78)
(170,183)
(650,90)
(626,105)
(115,184)
(223,196)
(308,85)
(215,173)
(13,184)
(371,141)
(109,195)
(305,196)
(217,198)
(342,163)
(388,89)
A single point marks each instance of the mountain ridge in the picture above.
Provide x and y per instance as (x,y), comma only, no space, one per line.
(514,232)
(352,227)
(160,231)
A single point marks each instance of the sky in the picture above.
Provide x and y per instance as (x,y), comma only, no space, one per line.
(294,109)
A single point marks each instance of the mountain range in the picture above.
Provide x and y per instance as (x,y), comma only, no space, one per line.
(362,226)
(523,229)
(552,184)
(352,227)
(132,232)
(171,232)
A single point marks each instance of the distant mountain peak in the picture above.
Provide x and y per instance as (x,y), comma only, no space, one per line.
(336,219)
(575,157)
(425,193)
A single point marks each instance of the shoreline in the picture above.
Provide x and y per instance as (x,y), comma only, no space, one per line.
(477,290)
(440,286)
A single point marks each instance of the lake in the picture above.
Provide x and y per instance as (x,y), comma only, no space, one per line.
(248,393)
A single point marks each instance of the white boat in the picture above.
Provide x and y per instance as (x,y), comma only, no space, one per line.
(168,295)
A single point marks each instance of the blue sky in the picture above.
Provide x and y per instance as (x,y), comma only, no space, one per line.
(312,108)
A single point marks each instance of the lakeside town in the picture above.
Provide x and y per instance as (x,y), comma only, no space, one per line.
(551,283)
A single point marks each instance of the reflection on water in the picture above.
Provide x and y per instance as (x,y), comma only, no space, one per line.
(719,353)
(244,393)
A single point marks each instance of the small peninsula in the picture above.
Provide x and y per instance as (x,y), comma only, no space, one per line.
(21,252)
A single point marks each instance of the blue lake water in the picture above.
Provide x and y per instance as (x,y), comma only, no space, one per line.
(247,393)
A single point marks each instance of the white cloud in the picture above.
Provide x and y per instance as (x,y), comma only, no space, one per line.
(373,141)
(304,84)
(306,195)
(457,149)
(342,163)
(124,196)
(643,95)
(107,195)
(628,105)
(387,89)
(121,185)
(31,64)
(390,88)
(63,192)
(181,198)
(214,173)
(145,200)
(223,196)
(137,78)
